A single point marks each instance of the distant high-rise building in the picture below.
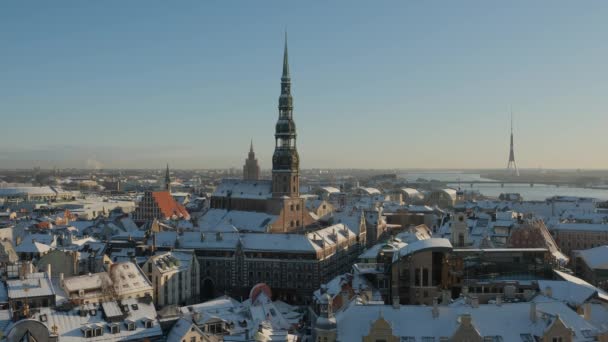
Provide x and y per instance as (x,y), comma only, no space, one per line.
(511,166)
(251,169)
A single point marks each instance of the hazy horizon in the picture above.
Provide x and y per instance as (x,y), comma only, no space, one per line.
(412,85)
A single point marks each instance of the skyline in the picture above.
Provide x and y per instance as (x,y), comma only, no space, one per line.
(172,90)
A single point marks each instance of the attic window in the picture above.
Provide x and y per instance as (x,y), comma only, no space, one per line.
(526,338)
(115,328)
(134,307)
(87,331)
(130,325)
(43,318)
(148,322)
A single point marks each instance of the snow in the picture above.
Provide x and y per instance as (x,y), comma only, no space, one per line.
(595,258)
(249,189)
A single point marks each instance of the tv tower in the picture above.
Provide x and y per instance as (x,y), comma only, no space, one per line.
(511,166)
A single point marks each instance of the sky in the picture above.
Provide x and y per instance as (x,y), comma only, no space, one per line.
(376,84)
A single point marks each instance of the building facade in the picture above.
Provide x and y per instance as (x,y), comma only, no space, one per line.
(251,169)
(159,205)
(175,277)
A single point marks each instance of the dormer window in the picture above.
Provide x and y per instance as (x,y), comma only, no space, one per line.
(130,325)
(114,328)
(148,323)
(87,331)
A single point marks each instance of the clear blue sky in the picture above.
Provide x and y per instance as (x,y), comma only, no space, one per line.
(377,84)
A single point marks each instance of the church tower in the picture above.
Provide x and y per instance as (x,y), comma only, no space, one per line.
(251,169)
(167,185)
(285,160)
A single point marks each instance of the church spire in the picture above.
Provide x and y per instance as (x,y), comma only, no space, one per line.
(251,146)
(285,61)
(167,179)
(285,160)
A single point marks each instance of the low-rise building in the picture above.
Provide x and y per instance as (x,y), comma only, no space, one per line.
(175,277)
(592,265)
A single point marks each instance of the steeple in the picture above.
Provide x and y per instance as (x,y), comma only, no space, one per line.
(167,179)
(285,160)
(285,75)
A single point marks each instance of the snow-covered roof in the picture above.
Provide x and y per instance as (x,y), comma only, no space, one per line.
(509,322)
(420,245)
(250,189)
(32,246)
(595,258)
(86,282)
(595,227)
(227,220)
(330,189)
(369,191)
(27,190)
(411,192)
(33,285)
(181,328)
(128,278)
(70,324)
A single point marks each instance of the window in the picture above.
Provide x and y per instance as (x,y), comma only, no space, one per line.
(558,339)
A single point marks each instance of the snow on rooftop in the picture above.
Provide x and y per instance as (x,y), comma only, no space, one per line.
(595,258)
(250,189)
(226,220)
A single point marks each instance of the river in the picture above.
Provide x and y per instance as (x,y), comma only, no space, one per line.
(538,192)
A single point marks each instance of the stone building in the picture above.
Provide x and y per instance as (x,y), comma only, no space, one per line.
(549,321)
(175,277)
(592,265)
(295,265)
(159,205)
(576,236)
(251,169)
(279,196)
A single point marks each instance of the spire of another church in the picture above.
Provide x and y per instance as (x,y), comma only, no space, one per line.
(167,179)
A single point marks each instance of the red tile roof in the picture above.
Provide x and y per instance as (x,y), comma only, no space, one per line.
(169,206)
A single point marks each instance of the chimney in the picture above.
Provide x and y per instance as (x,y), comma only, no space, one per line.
(396,304)
(474,301)
(195,317)
(48,270)
(533,312)
(499,300)
(153,243)
(587,311)
(549,292)
(465,290)
(465,320)
(435,310)
(61,279)
(446,297)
